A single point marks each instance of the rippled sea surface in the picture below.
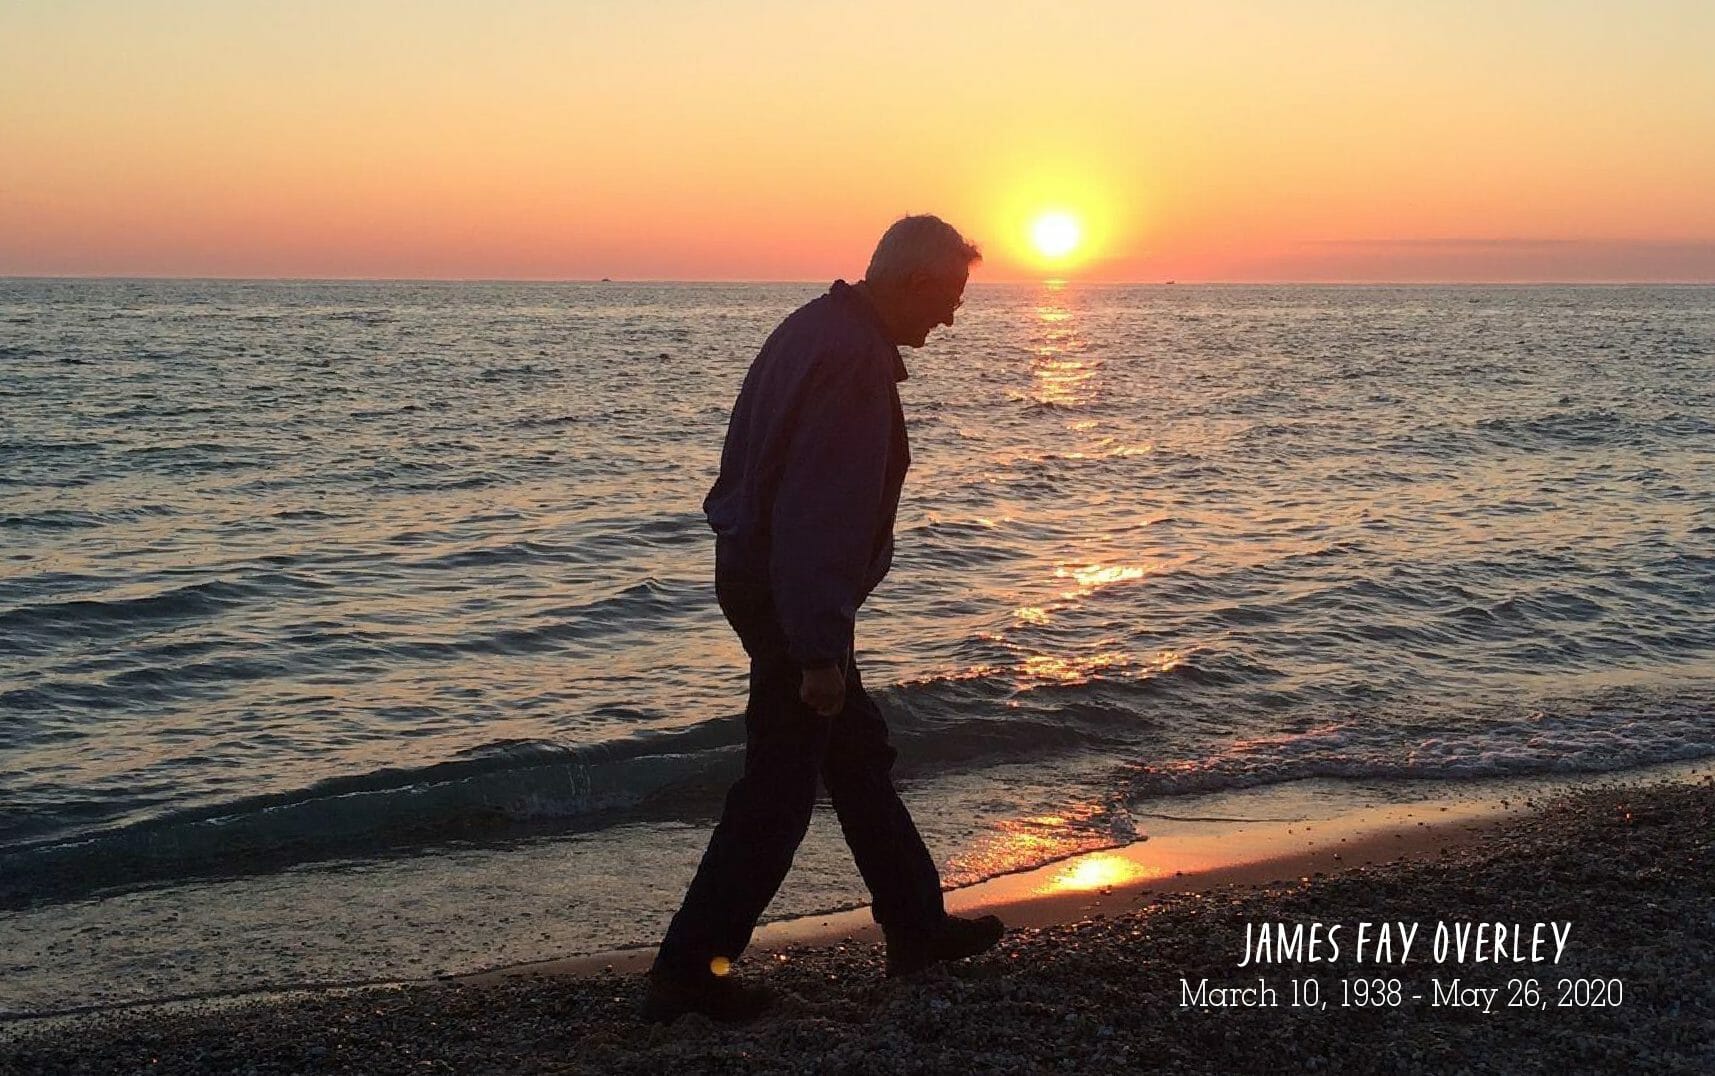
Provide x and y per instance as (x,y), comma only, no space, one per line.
(291,572)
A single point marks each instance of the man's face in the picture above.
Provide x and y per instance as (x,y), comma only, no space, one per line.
(934,299)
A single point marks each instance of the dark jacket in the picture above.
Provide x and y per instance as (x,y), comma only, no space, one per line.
(814,459)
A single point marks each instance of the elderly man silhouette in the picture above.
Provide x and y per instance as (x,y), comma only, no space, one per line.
(803,512)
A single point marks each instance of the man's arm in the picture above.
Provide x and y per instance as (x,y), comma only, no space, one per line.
(826,511)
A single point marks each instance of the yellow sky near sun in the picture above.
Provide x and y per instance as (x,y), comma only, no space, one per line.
(773,140)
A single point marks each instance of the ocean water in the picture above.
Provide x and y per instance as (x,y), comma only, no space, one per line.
(351,577)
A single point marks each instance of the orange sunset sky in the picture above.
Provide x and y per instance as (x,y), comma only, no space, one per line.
(665,139)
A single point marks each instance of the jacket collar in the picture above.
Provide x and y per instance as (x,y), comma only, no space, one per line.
(845,293)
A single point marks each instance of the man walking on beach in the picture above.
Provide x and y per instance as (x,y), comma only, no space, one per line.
(803,513)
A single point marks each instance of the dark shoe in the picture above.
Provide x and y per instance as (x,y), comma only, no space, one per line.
(952,939)
(723,999)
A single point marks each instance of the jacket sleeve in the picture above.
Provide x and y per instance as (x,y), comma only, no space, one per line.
(827,507)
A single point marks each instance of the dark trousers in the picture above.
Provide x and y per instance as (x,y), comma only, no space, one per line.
(788,746)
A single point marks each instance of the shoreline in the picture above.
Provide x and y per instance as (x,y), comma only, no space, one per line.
(1201,855)
(1256,836)
(1184,855)
(1631,866)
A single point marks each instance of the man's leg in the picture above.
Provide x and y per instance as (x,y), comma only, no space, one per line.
(895,865)
(766,815)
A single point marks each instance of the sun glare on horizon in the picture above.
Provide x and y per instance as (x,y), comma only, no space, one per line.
(1055,235)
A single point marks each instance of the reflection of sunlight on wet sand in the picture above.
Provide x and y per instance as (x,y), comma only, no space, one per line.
(1255,837)
(1025,842)
(1248,837)
(1100,871)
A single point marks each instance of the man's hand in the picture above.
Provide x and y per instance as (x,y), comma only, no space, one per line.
(824,689)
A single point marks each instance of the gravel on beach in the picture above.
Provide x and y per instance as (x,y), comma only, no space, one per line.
(1632,869)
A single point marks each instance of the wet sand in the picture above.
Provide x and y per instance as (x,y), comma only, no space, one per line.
(1185,855)
(1095,979)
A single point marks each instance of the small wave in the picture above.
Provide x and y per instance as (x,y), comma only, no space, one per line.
(534,422)
(53,520)
(59,519)
(940,555)
(1613,732)
(33,625)
(368,317)
(1585,428)
(484,480)
(48,447)
(485,791)
(525,552)
(170,450)
(1682,425)
(510,788)
(1270,431)
(82,615)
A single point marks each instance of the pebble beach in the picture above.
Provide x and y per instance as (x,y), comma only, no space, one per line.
(1631,868)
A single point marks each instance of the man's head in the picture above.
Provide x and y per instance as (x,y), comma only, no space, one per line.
(917,276)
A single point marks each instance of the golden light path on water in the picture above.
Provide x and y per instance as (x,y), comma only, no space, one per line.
(1059,372)
(1062,375)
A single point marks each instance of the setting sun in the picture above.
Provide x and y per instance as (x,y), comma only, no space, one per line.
(1055,235)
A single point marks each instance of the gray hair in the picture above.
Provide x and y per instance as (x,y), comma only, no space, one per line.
(921,244)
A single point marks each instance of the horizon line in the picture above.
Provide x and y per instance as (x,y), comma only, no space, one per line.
(168,277)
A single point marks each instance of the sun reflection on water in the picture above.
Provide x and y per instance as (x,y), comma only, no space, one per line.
(1071,669)
(1058,373)
(1019,843)
(1091,576)
(1058,381)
